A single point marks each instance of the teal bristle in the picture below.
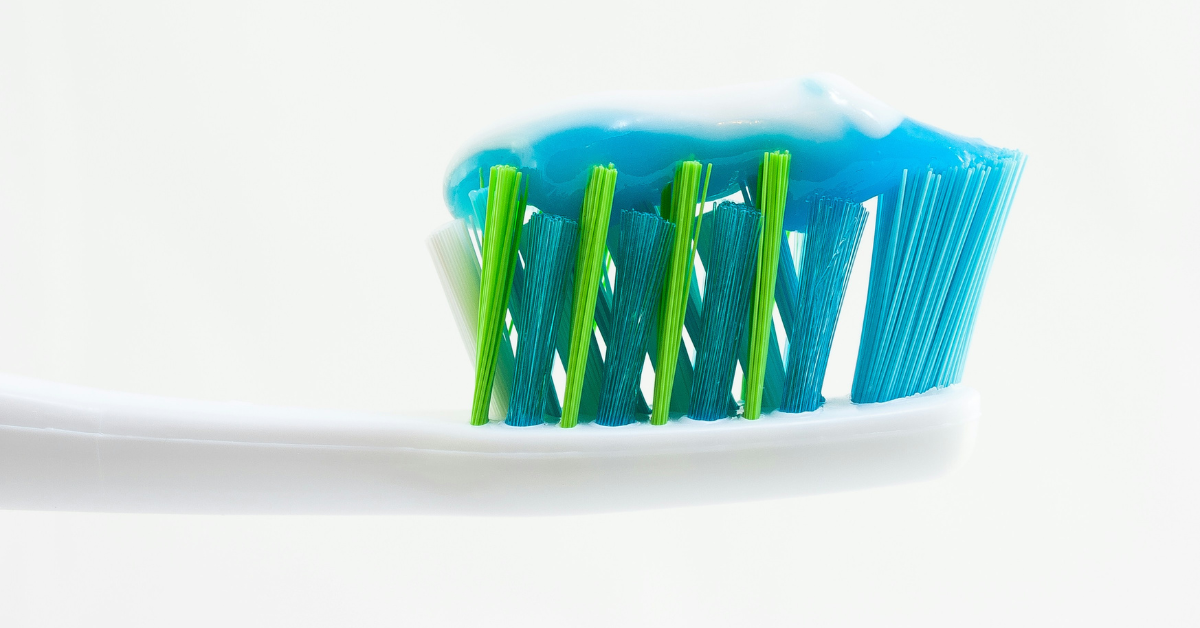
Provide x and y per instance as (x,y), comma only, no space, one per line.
(516,310)
(834,230)
(729,273)
(692,320)
(641,259)
(774,379)
(694,326)
(787,287)
(935,237)
(551,247)
(604,305)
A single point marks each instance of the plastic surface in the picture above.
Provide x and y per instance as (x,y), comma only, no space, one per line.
(65,447)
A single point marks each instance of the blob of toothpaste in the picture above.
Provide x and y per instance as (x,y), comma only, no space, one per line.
(844,143)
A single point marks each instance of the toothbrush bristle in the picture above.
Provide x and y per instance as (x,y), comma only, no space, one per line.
(834,231)
(516,310)
(641,260)
(935,237)
(772,196)
(728,280)
(679,206)
(593,233)
(502,234)
(552,242)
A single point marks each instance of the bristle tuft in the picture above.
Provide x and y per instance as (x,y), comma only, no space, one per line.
(772,198)
(729,275)
(641,260)
(830,243)
(935,237)
(501,238)
(681,210)
(551,252)
(593,233)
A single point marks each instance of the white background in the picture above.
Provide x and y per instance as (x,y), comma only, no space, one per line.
(229,200)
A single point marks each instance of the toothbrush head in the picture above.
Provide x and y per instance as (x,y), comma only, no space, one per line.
(797,157)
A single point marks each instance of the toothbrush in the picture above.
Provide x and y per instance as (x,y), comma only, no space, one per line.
(599,237)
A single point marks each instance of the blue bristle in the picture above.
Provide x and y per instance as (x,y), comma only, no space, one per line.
(692,319)
(787,287)
(935,237)
(830,243)
(551,250)
(644,244)
(733,249)
(773,380)
(1000,195)
(604,323)
(515,303)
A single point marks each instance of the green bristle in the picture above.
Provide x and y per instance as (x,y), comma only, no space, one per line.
(593,233)
(773,382)
(501,237)
(642,255)
(728,280)
(772,197)
(593,378)
(682,211)
(830,242)
(549,256)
